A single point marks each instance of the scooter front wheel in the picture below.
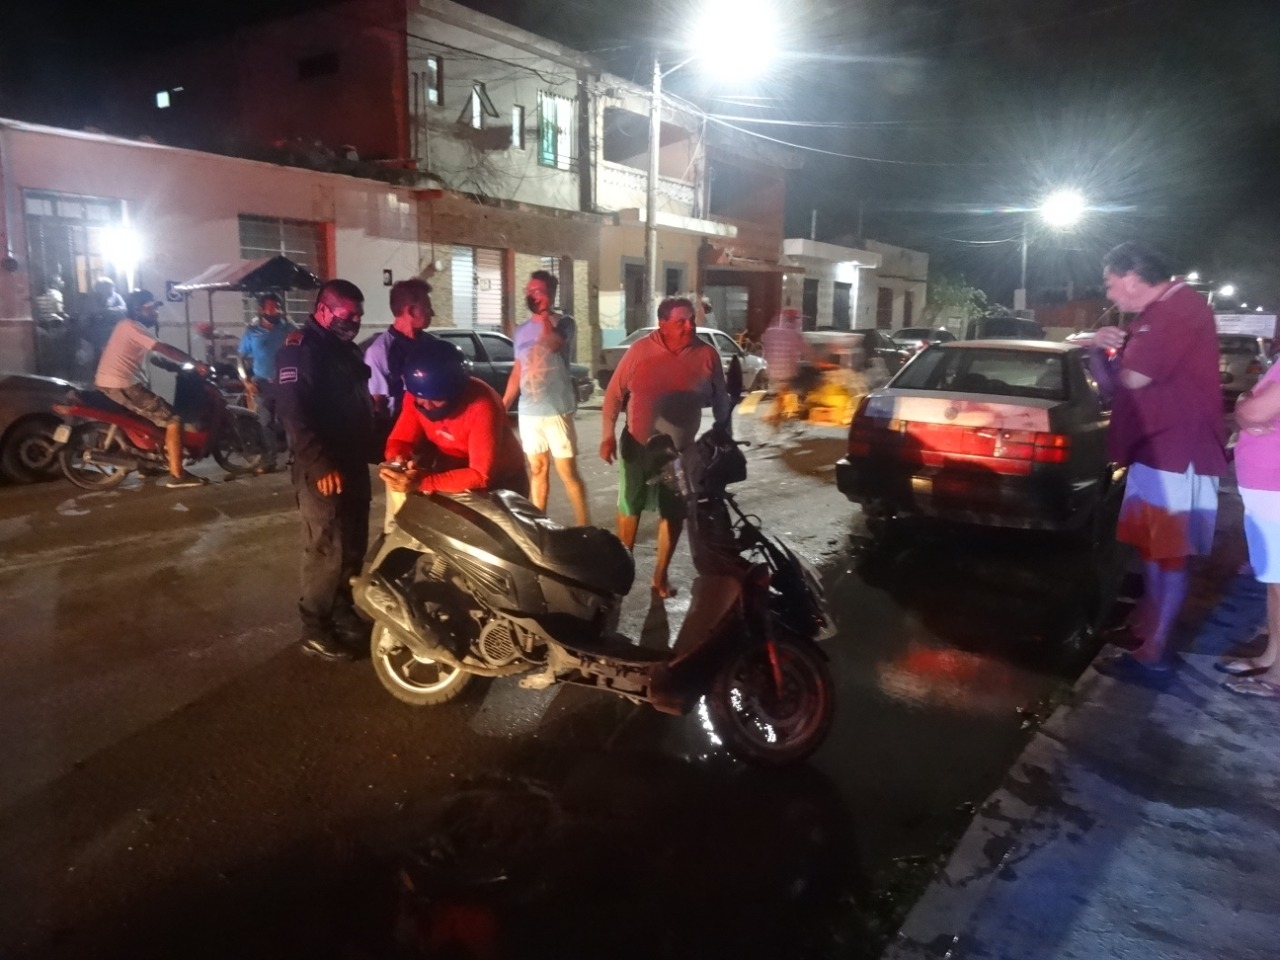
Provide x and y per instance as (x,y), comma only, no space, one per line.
(86,459)
(412,679)
(773,702)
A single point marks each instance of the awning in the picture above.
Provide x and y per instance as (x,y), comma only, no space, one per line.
(253,276)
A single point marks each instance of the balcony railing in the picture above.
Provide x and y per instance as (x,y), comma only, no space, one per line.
(621,187)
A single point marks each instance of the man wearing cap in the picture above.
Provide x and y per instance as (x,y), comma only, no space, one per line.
(122,376)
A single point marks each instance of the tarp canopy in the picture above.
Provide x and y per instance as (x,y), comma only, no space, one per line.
(253,276)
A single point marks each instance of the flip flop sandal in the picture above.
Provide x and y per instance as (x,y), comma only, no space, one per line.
(1239,667)
(1253,687)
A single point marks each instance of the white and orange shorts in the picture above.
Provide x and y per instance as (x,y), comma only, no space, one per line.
(1168,515)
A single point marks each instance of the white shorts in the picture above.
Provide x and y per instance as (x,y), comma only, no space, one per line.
(554,433)
(1262,532)
(1168,515)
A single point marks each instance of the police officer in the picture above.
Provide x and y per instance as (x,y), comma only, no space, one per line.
(324,402)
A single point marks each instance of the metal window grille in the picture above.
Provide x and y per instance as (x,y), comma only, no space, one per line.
(302,241)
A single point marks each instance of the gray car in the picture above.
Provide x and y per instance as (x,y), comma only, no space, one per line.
(753,367)
(27,422)
(492,355)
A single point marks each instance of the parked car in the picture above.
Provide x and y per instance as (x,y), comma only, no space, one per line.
(1242,360)
(491,355)
(994,433)
(917,338)
(880,344)
(1000,327)
(754,373)
(27,422)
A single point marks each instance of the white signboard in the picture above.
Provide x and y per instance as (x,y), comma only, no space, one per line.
(1247,324)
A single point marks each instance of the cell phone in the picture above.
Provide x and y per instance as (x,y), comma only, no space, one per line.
(395,465)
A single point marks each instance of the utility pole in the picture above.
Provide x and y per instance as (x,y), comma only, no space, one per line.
(651,197)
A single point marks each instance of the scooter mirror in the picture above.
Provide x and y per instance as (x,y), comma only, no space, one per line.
(662,448)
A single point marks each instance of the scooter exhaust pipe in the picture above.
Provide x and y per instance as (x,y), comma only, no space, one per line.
(383,603)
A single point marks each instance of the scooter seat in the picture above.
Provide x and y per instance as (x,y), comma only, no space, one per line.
(591,556)
(98,400)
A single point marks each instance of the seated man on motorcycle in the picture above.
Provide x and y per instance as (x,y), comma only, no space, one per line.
(455,435)
(122,376)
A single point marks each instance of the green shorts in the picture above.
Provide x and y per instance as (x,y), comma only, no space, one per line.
(635,493)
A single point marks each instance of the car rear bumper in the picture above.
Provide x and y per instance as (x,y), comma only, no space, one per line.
(1039,501)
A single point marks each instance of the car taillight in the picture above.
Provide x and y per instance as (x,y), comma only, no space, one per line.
(860,432)
(1052,448)
(1254,369)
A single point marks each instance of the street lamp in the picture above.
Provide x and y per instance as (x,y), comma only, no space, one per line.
(743,32)
(1061,210)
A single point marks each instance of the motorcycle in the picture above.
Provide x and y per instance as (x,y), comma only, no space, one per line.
(484,584)
(100,442)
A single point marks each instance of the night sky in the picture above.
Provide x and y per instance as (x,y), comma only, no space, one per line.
(1164,113)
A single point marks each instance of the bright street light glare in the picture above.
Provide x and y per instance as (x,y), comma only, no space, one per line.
(122,247)
(1063,208)
(735,40)
(1228,290)
(1193,276)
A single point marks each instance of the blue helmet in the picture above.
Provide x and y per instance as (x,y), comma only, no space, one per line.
(436,370)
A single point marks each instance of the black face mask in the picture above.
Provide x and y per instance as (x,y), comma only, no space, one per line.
(344,329)
(532,304)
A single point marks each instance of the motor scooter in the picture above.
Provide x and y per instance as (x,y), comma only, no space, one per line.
(483,584)
(100,442)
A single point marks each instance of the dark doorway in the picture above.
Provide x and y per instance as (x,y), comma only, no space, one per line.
(840,306)
(633,293)
(809,303)
(908,309)
(884,308)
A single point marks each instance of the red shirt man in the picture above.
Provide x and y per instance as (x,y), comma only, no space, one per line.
(475,446)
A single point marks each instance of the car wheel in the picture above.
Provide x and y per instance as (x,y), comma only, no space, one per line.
(29,453)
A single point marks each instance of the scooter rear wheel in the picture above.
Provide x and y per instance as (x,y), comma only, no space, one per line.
(773,714)
(409,678)
(88,439)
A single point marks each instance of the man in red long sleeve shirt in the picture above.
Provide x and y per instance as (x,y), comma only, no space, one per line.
(456,427)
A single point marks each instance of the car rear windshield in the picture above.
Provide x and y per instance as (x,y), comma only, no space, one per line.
(1002,373)
(1245,346)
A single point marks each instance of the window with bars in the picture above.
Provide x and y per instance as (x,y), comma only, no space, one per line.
(302,241)
(556,147)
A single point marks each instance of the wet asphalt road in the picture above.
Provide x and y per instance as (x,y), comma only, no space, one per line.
(180,781)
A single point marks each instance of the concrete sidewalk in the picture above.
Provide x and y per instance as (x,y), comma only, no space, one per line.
(1140,822)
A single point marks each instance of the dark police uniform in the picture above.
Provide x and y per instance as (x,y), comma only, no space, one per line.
(323,400)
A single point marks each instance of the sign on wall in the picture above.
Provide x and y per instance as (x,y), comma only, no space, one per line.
(1246,324)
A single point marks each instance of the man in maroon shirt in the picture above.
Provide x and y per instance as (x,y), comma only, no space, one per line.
(1167,427)
(454,436)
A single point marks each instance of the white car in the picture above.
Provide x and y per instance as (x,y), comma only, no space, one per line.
(753,367)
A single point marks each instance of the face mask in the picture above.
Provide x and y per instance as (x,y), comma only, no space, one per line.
(531,303)
(344,329)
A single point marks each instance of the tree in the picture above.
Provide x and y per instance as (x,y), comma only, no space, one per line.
(952,303)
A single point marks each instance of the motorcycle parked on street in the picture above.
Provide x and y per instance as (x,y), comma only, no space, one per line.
(101,443)
(484,584)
